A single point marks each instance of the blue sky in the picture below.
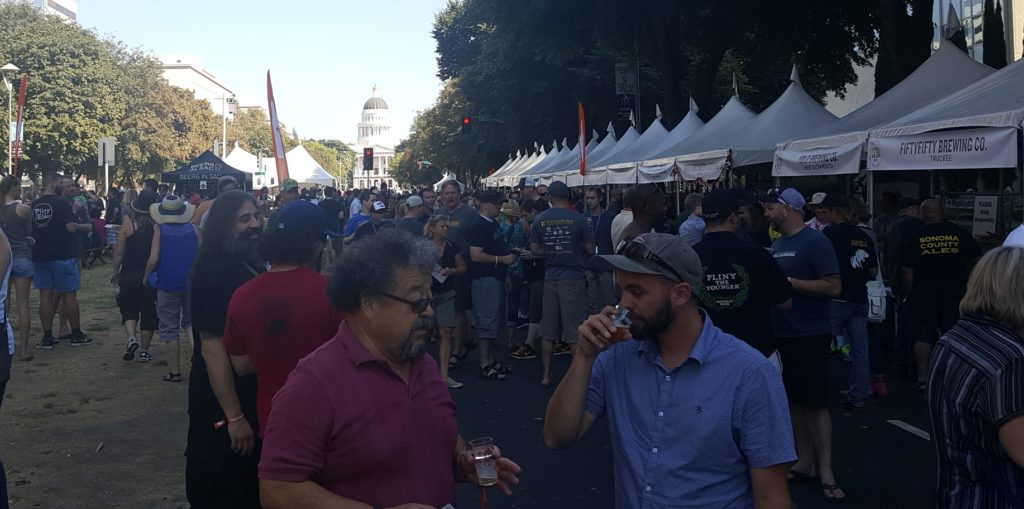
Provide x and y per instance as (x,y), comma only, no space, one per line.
(324,56)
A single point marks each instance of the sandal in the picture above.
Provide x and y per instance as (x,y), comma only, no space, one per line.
(454,361)
(172,377)
(829,492)
(505,370)
(490,373)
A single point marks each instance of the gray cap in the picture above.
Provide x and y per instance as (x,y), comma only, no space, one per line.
(661,255)
(413,201)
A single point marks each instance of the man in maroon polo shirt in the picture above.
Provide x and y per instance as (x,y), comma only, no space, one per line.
(365,421)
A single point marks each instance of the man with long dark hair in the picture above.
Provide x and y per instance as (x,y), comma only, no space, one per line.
(222,455)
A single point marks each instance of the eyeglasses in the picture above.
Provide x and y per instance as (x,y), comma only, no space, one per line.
(418,306)
(775,194)
(637,249)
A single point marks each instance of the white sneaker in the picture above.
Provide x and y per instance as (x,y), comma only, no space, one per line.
(452,384)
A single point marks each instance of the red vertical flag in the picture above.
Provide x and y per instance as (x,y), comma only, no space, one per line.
(275,133)
(583,141)
(20,123)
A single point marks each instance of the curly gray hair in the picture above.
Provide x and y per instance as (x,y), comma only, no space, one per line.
(368,266)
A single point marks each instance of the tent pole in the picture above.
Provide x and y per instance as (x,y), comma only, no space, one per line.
(871,192)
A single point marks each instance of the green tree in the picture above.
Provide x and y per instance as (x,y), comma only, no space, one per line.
(251,129)
(994,43)
(905,31)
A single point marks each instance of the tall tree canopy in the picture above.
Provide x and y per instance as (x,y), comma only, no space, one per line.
(526,64)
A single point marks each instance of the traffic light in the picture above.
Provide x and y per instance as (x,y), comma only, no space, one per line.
(467,123)
(368,159)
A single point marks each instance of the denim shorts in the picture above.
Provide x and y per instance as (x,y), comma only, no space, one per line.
(489,306)
(21,266)
(60,276)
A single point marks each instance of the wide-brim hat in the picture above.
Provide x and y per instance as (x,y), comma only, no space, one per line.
(172,210)
(144,201)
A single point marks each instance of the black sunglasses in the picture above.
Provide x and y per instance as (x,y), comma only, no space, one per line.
(418,306)
(775,194)
(637,249)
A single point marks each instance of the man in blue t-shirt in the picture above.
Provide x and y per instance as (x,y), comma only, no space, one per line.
(566,242)
(803,332)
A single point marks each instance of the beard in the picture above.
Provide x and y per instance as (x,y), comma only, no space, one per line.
(648,329)
(415,344)
(245,246)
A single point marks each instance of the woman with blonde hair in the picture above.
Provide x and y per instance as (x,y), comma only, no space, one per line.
(976,390)
(449,265)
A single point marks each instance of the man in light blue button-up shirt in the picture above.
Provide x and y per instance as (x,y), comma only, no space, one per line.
(698,418)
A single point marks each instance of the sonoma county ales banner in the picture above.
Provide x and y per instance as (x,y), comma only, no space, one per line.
(841,160)
(992,147)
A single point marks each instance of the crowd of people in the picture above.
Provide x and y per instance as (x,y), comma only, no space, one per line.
(309,315)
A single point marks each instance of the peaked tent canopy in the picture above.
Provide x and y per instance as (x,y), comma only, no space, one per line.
(994,101)
(642,147)
(305,170)
(556,157)
(621,144)
(686,127)
(495,179)
(732,117)
(792,115)
(250,163)
(947,71)
(204,171)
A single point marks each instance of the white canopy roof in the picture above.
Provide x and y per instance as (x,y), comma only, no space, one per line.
(621,144)
(686,127)
(512,176)
(243,160)
(733,116)
(792,115)
(948,70)
(552,159)
(993,101)
(305,170)
(639,149)
(604,147)
(494,179)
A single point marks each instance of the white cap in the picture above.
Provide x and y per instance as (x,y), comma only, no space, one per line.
(817,198)
(379,206)
(1015,238)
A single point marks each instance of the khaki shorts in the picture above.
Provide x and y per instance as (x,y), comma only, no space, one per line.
(565,308)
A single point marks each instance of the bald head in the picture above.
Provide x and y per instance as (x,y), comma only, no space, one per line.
(931,211)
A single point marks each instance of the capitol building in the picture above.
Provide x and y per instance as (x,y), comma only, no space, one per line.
(374,131)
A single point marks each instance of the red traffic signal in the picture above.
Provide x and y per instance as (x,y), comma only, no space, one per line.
(466,120)
(466,124)
(367,152)
(368,159)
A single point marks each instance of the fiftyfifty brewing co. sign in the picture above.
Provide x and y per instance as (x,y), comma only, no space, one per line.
(994,147)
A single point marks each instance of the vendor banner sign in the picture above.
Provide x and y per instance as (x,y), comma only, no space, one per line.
(994,147)
(841,160)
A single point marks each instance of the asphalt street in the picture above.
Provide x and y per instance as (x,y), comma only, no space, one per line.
(883,457)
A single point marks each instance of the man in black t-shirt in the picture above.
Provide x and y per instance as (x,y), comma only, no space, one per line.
(936,263)
(489,261)
(222,451)
(55,259)
(849,311)
(742,282)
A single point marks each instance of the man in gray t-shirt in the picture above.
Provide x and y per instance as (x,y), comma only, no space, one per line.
(563,237)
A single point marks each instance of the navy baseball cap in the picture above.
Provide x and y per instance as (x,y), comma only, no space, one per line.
(303,216)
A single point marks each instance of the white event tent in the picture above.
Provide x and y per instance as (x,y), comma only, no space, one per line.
(305,170)
(250,163)
(837,148)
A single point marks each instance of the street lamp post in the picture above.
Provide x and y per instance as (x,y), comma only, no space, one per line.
(13,70)
(224,101)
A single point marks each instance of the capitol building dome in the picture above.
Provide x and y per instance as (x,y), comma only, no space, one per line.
(374,131)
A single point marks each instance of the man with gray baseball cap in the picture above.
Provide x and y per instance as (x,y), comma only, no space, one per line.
(682,381)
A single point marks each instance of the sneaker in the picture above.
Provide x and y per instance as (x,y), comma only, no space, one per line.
(144,356)
(80,339)
(46,343)
(562,348)
(845,393)
(854,405)
(452,384)
(844,352)
(58,339)
(129,351)
(523,352)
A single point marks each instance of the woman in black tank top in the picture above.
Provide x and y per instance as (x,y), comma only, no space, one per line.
(137,302)
(16,220)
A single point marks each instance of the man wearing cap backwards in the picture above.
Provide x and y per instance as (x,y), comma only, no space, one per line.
(489,256)
(411,222)
(821,212)
(222,451)
(375,224)
(283,314)
(698,417)
(565,240)
(804,332)
(742,282)
(529,189)
(54,256)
